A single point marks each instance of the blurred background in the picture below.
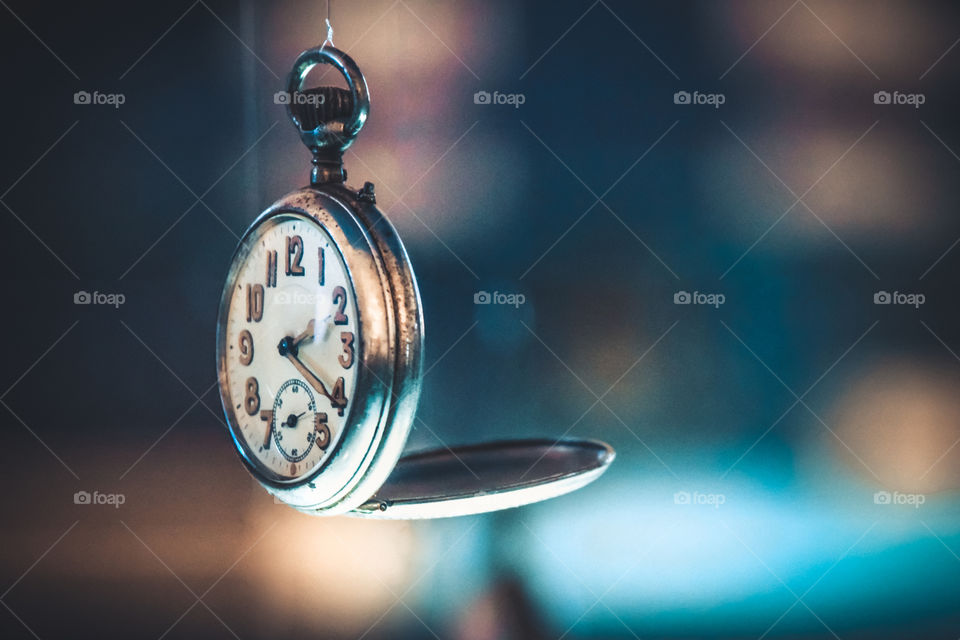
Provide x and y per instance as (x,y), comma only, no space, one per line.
(788,458)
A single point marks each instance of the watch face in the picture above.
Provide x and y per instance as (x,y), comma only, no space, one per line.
(289,346)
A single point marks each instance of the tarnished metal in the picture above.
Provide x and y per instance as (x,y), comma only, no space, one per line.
(390,346)
(327,118)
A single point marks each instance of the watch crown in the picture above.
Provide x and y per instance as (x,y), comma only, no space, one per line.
(367,193)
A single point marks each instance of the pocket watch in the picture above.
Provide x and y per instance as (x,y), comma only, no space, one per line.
(320,349)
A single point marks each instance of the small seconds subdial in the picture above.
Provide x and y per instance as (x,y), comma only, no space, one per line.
(296,424)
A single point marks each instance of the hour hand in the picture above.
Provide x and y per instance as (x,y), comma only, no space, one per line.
(310,334)
(306,334)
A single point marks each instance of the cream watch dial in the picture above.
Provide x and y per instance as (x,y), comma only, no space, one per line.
(290,346)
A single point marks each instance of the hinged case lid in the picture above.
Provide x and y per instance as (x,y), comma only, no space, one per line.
(486,477)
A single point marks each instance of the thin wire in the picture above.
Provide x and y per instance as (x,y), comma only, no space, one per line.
(329,29)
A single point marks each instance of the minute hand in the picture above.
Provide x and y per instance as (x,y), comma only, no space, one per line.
(312,379)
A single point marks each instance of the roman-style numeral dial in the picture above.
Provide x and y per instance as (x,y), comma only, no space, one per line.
(291,344)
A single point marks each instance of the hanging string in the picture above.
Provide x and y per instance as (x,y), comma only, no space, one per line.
(329,29)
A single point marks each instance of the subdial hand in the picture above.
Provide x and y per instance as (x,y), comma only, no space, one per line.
(292,420)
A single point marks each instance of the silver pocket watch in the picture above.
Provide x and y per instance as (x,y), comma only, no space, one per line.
(320,343)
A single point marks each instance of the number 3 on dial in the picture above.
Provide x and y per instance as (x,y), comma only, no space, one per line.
(346,358)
